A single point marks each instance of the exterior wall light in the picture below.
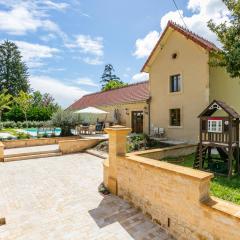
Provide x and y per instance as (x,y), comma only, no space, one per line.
(127,111)
(146,110)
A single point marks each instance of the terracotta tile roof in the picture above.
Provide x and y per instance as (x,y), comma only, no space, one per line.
(131,93)
(210,46)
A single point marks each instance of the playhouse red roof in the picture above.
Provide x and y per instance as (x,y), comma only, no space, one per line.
(132,93)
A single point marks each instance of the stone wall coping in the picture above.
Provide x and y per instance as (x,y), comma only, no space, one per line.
(161,149)
(225,207)
(177,170)
(34,139)
(118,129)
(81,139)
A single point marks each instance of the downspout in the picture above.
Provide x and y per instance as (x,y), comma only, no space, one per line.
(149,115)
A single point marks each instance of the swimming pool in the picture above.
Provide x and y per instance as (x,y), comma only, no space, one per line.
(34,132)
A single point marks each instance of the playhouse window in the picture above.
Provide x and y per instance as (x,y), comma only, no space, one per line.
(215,126)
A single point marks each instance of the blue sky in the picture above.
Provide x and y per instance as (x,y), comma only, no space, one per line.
(66,43)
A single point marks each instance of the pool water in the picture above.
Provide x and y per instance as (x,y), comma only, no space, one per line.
(35,131)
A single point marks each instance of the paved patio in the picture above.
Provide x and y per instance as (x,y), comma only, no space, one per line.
(56,198)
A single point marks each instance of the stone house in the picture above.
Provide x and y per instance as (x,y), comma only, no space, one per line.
(181,84)
(127,106)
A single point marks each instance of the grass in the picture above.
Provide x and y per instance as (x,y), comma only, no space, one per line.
(221,186)
(9,130)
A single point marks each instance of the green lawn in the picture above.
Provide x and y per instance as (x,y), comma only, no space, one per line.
(221,187)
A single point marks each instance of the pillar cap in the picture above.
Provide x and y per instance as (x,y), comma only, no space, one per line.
(118,128)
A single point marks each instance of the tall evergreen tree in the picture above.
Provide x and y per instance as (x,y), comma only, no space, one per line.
(109,80)
(229,36)
(13,71)
(108,74)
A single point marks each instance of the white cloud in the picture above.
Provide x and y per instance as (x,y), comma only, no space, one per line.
(202,12)
(54,5)
(20,17)
(145,45)
(90,45)
(93,61)
(64,94)
(140,77)
(34,53)
(91,48)
(86,81)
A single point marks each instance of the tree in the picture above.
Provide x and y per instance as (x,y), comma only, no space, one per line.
(13,71)
(110,80)
(66,120)
(5,102)
(24,100)
(113,84)
(229,36)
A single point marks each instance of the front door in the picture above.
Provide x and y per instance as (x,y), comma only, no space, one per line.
(137,121)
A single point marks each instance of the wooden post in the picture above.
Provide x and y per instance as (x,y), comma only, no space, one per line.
(237,150)
(230,150)
(200,147)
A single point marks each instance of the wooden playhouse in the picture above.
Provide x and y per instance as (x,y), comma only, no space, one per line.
(218,148)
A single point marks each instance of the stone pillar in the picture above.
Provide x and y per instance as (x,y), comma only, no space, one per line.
(1,152)
(117,147)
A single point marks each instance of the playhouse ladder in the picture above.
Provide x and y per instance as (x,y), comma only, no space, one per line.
(196,163)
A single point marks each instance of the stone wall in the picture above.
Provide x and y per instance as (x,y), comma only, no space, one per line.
(78,145)
(35,142)
(1,152)
(176,197)
(174,151)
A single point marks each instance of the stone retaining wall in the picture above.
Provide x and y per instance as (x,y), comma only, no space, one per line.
(35,142)
(176,197)
(174,151)
(78,145)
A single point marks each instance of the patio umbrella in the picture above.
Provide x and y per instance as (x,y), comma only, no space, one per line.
(91,114)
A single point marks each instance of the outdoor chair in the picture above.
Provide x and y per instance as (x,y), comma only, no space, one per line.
(158,132)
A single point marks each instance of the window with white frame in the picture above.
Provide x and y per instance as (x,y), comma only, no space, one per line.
(215,126)
(175,83)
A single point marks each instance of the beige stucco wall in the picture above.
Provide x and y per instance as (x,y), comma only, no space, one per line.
(192,64)
(224,88)
(126,120)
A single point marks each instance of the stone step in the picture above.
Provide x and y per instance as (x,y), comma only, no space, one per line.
(32,156)
(19,154)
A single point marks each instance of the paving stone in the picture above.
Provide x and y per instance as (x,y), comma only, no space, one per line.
(57,198)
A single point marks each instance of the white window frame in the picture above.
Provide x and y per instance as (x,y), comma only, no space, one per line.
(215,126)
(179,83)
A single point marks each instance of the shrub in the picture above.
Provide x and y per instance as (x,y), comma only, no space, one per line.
(9,124)
(22,135)
(19,124)
(66,120)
